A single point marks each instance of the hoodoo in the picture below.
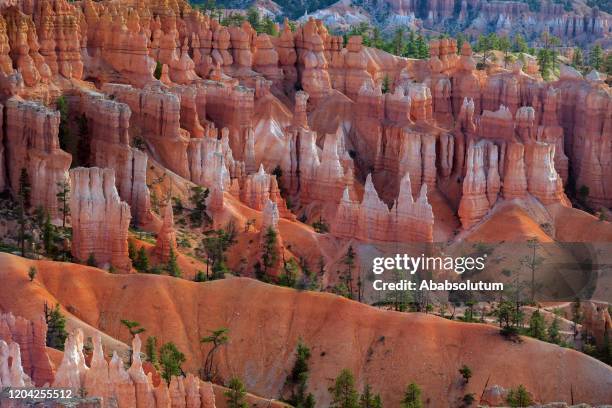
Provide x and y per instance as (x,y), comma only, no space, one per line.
(194,198)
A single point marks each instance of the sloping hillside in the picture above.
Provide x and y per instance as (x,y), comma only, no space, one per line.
(385,349)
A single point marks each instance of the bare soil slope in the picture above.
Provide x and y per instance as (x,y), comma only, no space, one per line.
(386,349)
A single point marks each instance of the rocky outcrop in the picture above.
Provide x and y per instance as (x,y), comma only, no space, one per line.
(312,63)
(32,145)
(211,162)
(231,107)
(116,386)
(266,59)
(100,220)
(108,146)
(156,119)
(24,48)
(465,82)
(497,124)
(597,322)
(260,187)
(356,64)
(31,337)
(287,57)
(369,111)
(11,371)
(474,201)
(57,26)
(321,179)
(371,220)
(166,237)
(543,182)
(113,42)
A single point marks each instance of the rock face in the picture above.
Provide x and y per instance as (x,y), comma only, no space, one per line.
(100,220)
(32,145)
(31,337)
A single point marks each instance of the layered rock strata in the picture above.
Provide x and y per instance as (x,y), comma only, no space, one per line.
(33,150)
(31,337)
(100,220)
(371,219)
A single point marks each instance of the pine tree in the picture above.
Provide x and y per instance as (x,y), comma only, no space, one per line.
(397,43)
(466,373)
(422,47)
(170,359)
(461,39)
(411,46)
(25,188)
(253,17)
(141,263)
(172,266)
(369,399)
(349,261)
(297,380)
(483,45)
(215,244)
(289,276)
(343,392)
(386,84)
(132,251)
(268,26)
(48,234)
(22,221)
(519,397)
(596,57)
(504,46)
(158,70)
(133,327)
(151,351)
(577,58)
(607,68)
(32,273)
(537,326)
(217,338)
(412,397)
(553,331)
(56,327)
(236,394)
(270,251)
(520,45)
(91,260)
(63,198)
